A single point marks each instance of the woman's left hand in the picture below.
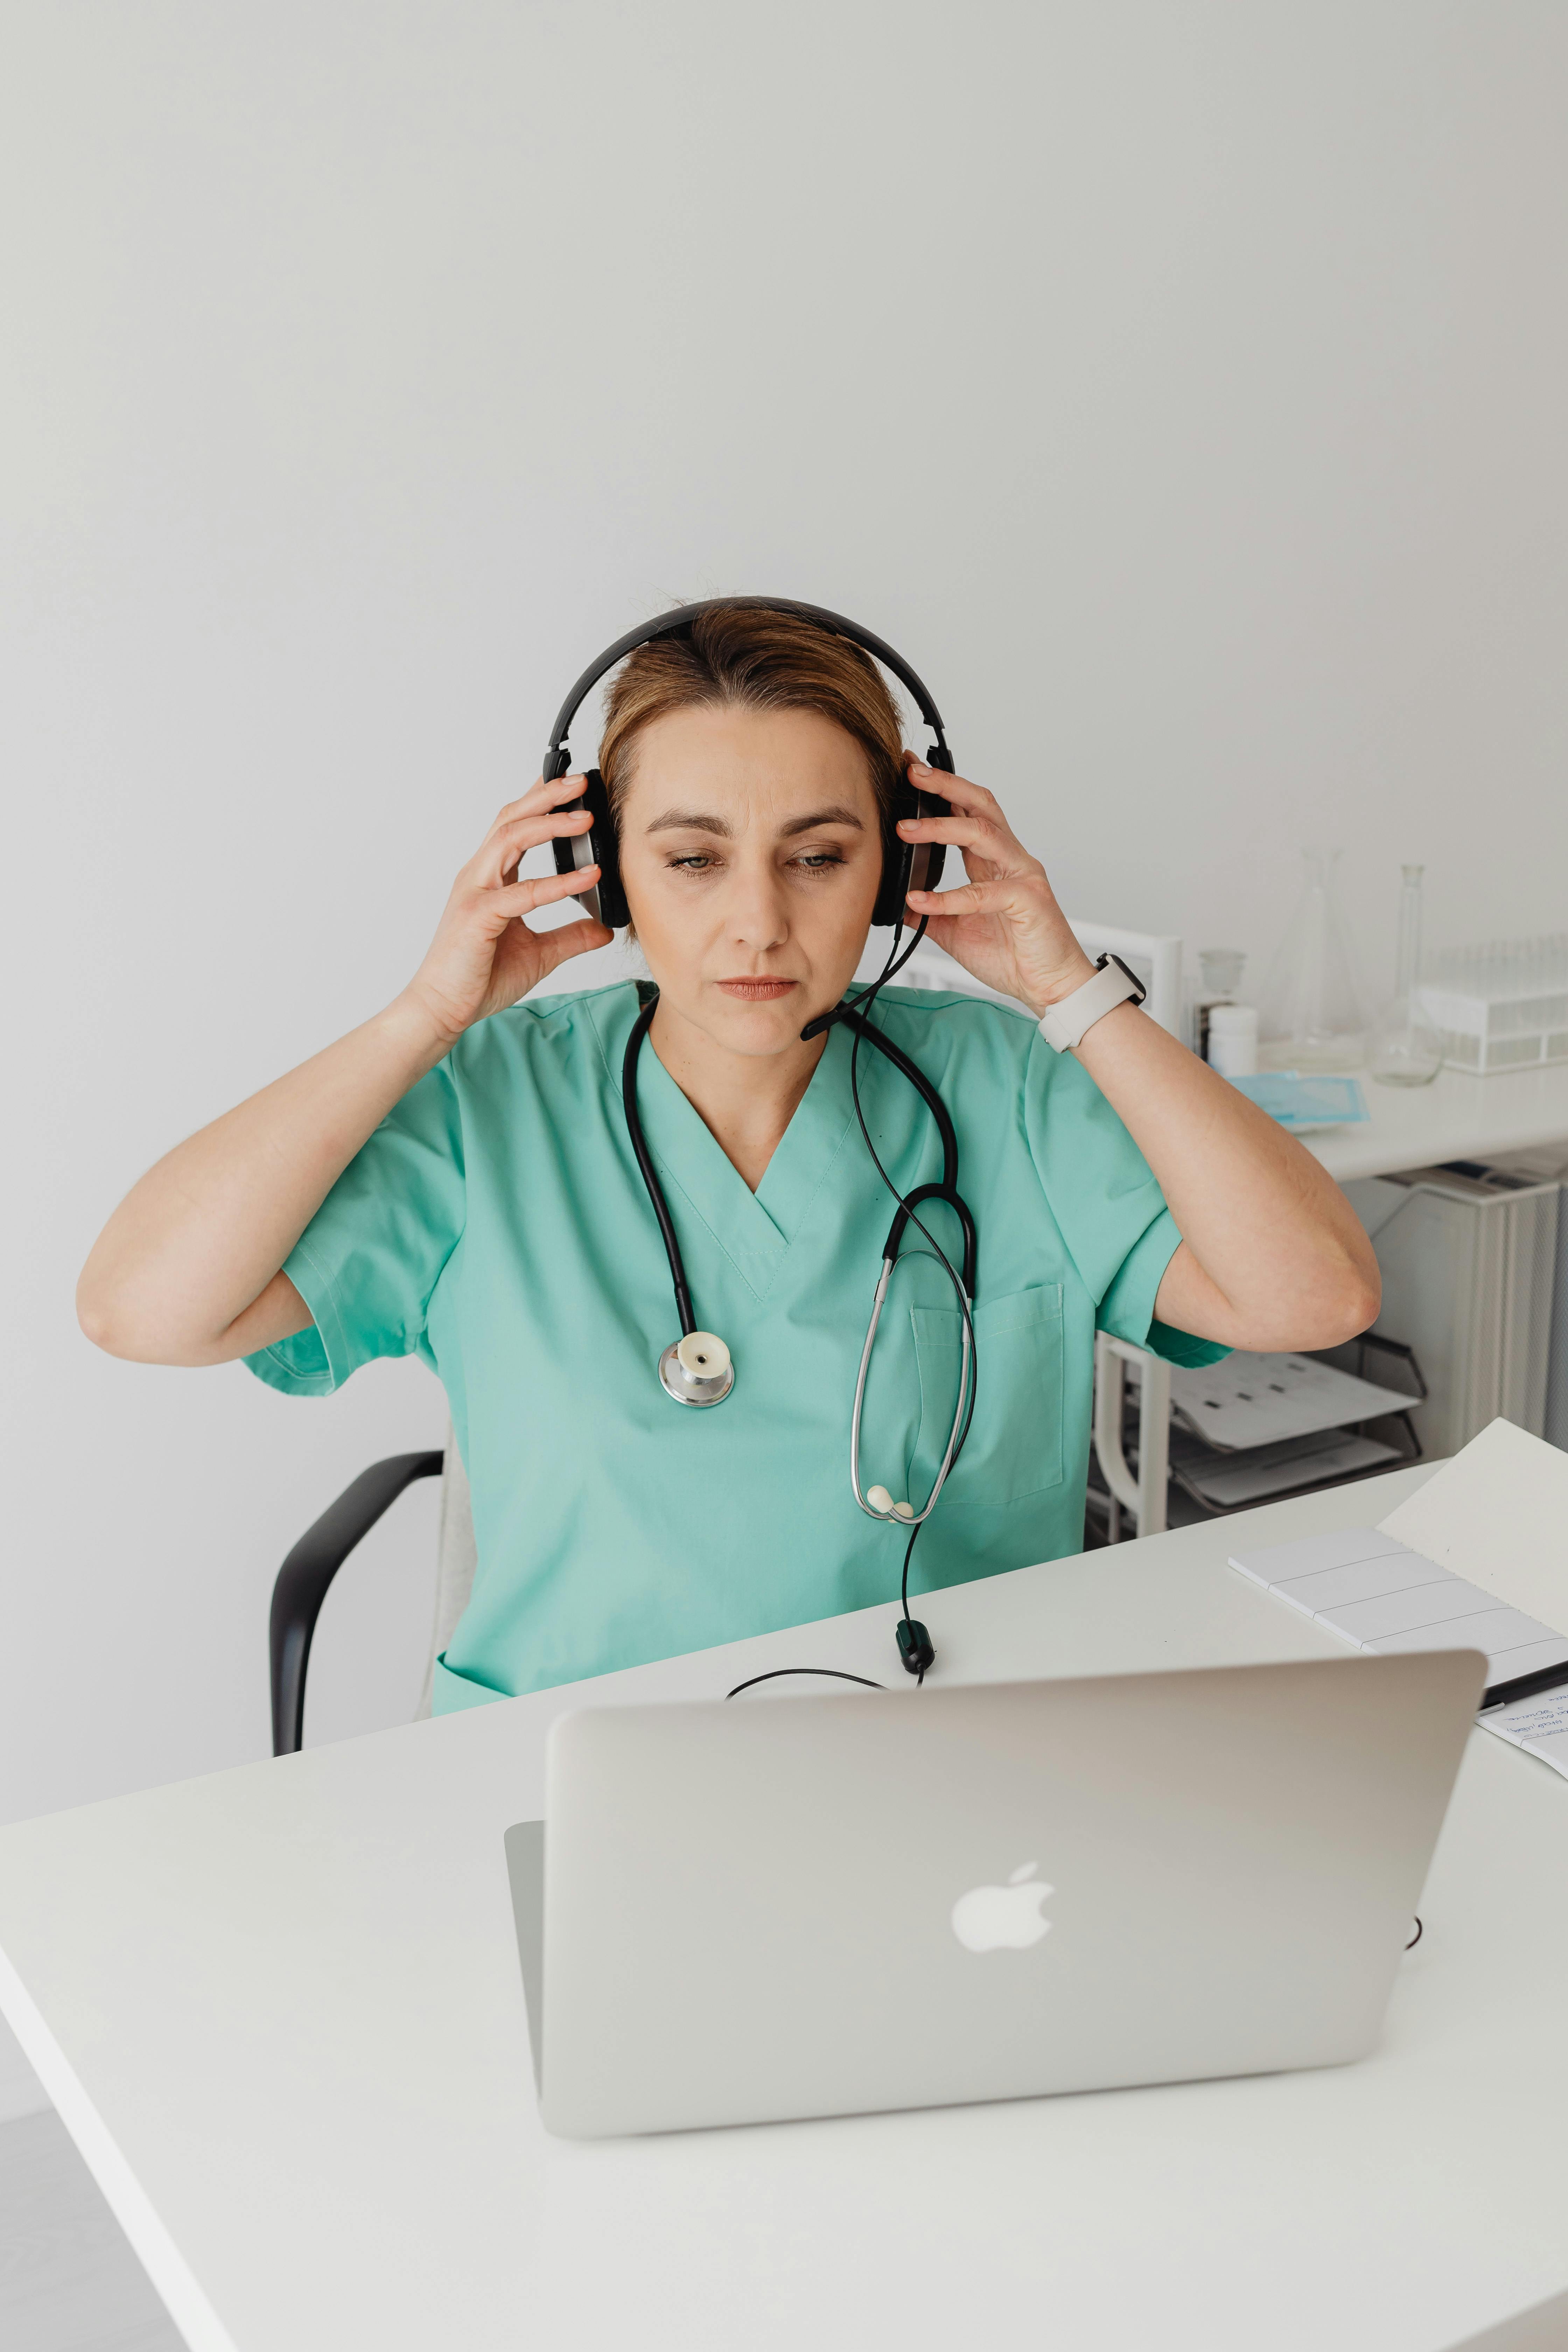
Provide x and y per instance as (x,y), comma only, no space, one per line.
(1272,1256)
(1004,925)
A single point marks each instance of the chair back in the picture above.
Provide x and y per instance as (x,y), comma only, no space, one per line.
(455,1560)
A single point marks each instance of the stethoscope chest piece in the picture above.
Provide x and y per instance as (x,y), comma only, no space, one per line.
(697,1369)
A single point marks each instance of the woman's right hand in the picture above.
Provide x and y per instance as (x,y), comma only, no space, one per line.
(189,1269)
(484,956)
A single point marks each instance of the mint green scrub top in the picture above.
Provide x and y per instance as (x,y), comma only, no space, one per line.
(495,1225)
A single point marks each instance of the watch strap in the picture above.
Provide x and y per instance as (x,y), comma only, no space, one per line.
(1064,1025)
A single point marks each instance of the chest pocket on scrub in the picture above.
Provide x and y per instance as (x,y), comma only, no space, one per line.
(1014,1444)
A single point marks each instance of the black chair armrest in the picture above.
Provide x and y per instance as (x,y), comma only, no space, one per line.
(305,1575)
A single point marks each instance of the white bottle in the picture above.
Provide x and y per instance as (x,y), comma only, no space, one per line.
(1233,1040)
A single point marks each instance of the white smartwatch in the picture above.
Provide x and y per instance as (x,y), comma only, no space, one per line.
(1065,1024)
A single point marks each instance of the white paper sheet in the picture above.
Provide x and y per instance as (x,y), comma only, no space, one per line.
(1250,1401)
(1538,1725)
(1365,1586)
(1233,1480)
(1497,1514)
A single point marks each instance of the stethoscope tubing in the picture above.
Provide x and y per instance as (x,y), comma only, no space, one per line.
(963,1290)
(927,1095)
(945,1190)
(649,1173)
(903,1518)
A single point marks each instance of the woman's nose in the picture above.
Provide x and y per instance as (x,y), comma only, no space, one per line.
(757,916)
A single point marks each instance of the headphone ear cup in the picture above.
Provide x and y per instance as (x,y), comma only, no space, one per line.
(605,901)
(605,852)
(930,857)
(907,865)
(896,857)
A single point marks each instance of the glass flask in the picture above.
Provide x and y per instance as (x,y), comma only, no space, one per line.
(1407,1051)
(1312,1017)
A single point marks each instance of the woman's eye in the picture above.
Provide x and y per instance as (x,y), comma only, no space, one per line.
(695,864)
(815,860)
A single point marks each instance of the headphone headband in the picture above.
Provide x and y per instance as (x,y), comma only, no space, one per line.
(557,759)
(905,864)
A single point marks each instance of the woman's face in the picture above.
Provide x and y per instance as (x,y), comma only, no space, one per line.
(750,851)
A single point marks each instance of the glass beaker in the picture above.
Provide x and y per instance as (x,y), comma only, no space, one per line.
(1407,1051)
(1313,1014)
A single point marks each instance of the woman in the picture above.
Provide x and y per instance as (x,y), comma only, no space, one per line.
(454,1178)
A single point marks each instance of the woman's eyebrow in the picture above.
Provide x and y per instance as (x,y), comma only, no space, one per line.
(692,820)
(835,815)
(704,821)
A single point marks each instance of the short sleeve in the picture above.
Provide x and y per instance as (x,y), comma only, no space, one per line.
(1103,1195)
(370,1258)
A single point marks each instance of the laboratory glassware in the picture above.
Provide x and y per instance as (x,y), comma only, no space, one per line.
(1312,1016)
(1406,1050)
(1502,1005)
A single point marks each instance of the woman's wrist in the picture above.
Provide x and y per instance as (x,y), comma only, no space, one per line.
(1062,981)
(414,1030)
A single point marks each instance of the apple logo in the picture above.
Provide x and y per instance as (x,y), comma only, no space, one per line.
(1003,1919)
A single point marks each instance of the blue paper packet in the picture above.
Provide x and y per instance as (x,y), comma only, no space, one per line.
(1302,1102)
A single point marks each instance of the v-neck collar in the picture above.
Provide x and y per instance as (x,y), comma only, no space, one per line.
(754,1230)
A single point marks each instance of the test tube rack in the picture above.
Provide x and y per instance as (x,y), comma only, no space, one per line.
(1503,1006)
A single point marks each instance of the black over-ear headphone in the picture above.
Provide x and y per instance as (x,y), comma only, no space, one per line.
(906,865)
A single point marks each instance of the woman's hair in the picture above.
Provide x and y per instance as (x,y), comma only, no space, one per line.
(752,657)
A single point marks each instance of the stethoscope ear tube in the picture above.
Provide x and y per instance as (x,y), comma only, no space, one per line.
(912,1202)
(946,1191)
(896,1516)
(649,1175)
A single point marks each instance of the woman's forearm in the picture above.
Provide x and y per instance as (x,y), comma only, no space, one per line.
(1273,1255)
(187,1270)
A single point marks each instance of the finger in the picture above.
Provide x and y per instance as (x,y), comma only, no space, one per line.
(958,791)
(961,792)
(982,834)
(570,939)
(518,898)
(1001,897)
(540,795)
(530,800)
(508,844)
(941,929)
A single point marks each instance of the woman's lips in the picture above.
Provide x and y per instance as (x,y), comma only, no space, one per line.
(758,992)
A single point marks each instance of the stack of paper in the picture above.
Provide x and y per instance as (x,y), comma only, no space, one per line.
(1382,1596)
(1250,1401)
(1478,1558)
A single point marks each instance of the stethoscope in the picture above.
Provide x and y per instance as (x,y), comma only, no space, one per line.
(697,1369)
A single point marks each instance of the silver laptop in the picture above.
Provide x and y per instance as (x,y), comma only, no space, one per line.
(829,1905)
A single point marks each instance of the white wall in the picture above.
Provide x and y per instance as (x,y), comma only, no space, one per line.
(1181,386)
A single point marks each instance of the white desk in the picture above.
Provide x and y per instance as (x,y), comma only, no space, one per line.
(280,2011)
(1456,1118)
